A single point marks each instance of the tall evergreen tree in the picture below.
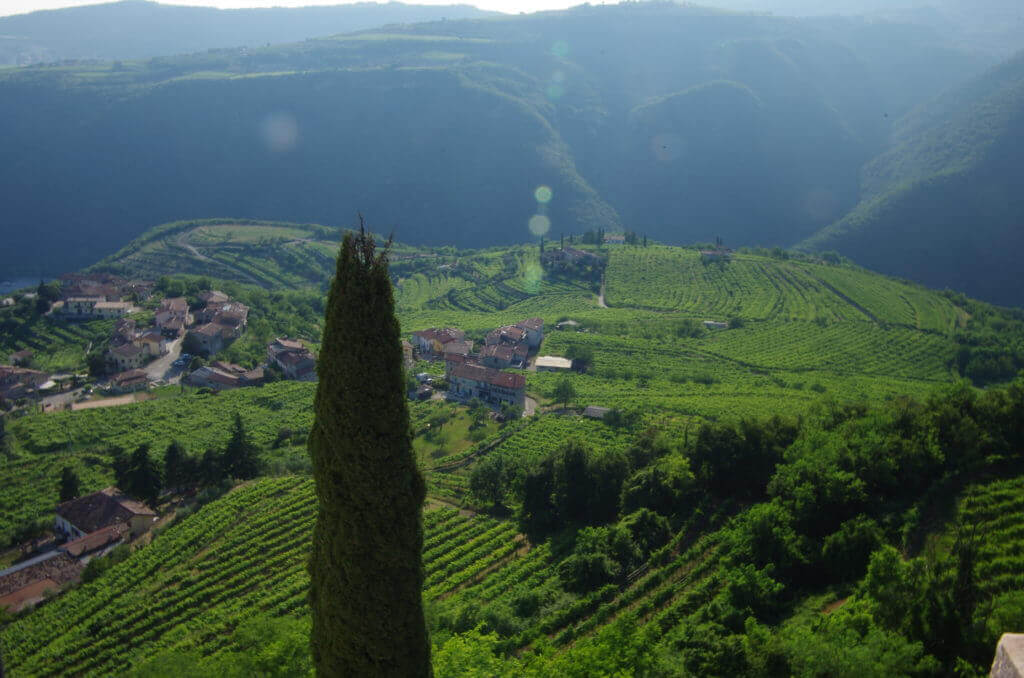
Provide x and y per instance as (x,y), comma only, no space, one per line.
(70,487)
(144,477)
(366,570)
(240,459)
(5,439)
(175,463)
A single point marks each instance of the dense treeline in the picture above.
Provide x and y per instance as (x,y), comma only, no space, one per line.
(842,500)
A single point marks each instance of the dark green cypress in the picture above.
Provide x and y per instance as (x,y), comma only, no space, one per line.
(366,570)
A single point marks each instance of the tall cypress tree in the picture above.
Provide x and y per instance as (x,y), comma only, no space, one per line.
(366,570)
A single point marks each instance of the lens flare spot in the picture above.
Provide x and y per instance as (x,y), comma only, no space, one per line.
(667,147)
(539,225)
(560,48)
(555,92)
(533,275)
(543,194)
(558,76)
(280,132)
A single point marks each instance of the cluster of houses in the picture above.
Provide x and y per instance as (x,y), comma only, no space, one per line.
(290,356)
(478,375)
(89,527)
(218,323)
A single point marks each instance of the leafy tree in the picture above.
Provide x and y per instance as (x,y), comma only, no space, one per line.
(120,465)
(240,458)
(665,487)
(70,485)
(489,479)
(366,567)
(564,391)
(582,356)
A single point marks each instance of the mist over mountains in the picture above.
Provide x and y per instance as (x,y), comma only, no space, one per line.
(683,123)
(139,29)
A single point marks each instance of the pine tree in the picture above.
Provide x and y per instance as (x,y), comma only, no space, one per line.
(174,465)
(366,570)
(144,478)
(70,487)
(240,456)
(5,438)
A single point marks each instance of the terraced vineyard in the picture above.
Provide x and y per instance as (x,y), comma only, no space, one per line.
(243,554)
(761,288)
(58,345)
(993,512)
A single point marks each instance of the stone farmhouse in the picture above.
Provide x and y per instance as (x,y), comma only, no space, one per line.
(492,386)
(505,355)
(294,360)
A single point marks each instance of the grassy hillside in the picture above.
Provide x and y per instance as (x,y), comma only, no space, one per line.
(943,203)
(738,128)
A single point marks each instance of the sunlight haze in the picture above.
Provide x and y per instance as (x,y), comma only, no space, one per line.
(10,7)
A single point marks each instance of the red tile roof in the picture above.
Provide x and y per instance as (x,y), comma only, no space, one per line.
(490,376)
(532,324)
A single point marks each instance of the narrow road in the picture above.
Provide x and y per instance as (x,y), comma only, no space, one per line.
(600,297)
(162,367)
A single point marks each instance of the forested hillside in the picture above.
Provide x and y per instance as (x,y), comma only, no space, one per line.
(944,204)
(680,122)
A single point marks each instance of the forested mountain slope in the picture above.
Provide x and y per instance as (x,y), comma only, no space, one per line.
(944,204)
(680,122)
(139,29)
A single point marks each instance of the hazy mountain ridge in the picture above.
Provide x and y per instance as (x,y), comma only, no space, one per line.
(444,130)
(138,29)
(944,204)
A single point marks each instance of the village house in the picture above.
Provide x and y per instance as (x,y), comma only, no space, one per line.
(614,239)
(508,334)
(489,385)
(453,360)
(715,325)
(504,355)
(213,297)
(221,376)
(129,382)
(550,363)
(7,301)
(219,323)
(534,329)
(80,307)
(29,582)
(111,309)
(430,343)
(294,360)
(720,254)
(78,517)
(20,382)
(566,257)
(126,357)
(173,316)
(22,358)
